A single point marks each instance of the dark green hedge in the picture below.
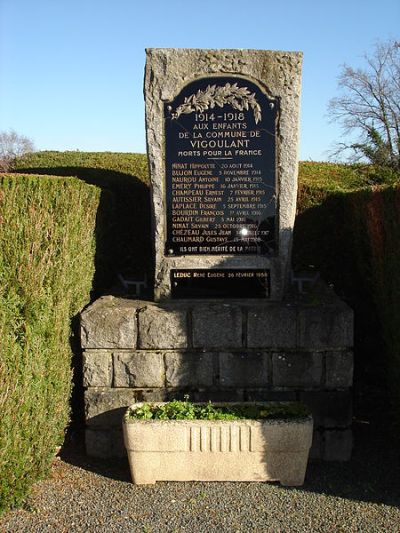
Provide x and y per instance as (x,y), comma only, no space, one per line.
(125,246)
(353,238)
(47,231)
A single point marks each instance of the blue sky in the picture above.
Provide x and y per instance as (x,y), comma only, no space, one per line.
(71,71)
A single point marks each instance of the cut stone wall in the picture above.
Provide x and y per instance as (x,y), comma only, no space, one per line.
(238,351)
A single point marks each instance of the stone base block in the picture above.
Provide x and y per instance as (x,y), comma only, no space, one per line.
(119,324)
(338,445)
(248,350)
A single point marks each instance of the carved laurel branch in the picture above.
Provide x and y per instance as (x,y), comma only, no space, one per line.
(239,98)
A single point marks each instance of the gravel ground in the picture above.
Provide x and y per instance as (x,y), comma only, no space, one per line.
(85,495)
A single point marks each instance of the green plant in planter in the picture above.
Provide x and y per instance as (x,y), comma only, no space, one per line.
(186,410)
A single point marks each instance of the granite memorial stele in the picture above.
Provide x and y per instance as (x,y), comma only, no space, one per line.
(222,141)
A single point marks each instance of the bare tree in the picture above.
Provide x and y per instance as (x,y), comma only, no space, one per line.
(369,105)
(13,145)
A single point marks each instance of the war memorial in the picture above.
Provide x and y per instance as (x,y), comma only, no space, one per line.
(227,321)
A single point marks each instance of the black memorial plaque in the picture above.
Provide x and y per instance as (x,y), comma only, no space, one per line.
(220,283)
(221,168)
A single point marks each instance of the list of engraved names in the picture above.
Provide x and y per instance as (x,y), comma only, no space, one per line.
(220,169)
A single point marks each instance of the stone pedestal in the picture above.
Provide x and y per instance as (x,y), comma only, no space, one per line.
(247,350)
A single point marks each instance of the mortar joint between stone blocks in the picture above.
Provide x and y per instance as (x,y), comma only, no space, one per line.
(323,370)
(297,327)
(244,312)
(216,369)
(293,388)
(112,369)
(189,324)
(334,428)
(164,357)
(138,340)
(269,371)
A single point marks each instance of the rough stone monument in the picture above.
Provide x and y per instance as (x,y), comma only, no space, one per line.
(222,140)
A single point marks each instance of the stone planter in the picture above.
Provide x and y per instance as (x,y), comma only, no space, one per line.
(210,450)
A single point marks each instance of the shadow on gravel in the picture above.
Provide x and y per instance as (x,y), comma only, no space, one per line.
(372,475)
(73,452)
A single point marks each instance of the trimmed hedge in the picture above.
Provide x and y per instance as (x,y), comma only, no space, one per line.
(341,177)
(125,247)
(353,238)
(89,162)
(47,247)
